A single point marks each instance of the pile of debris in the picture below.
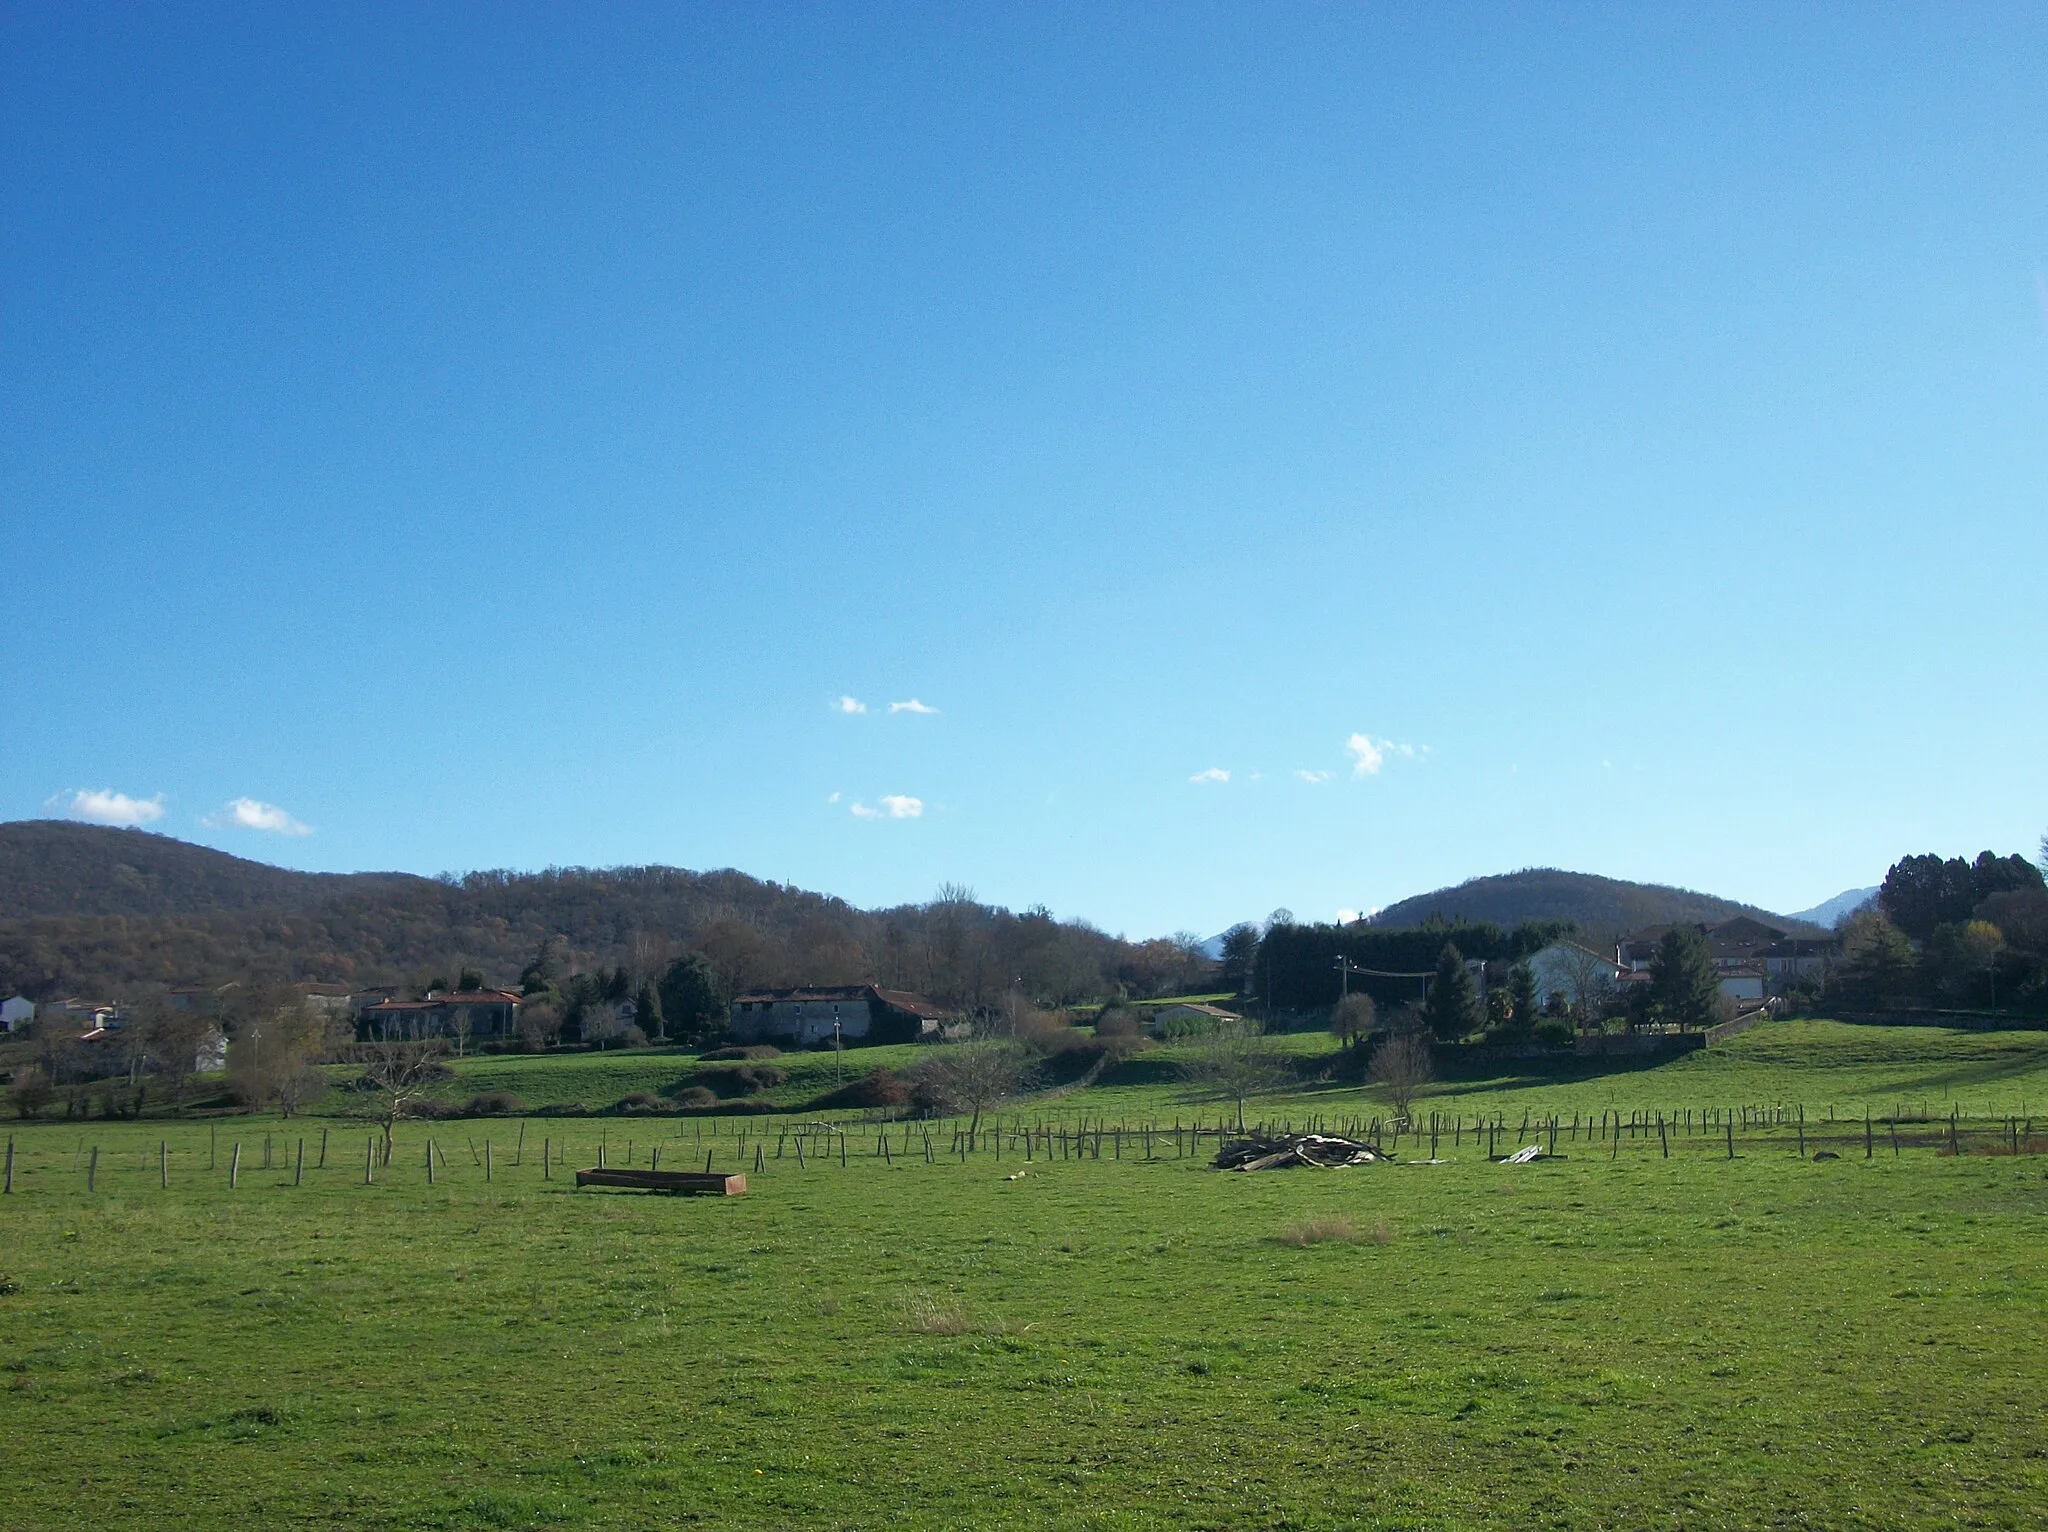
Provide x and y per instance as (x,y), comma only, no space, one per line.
(1283,1151)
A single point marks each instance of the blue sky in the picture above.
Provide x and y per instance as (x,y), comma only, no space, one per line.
(445,437)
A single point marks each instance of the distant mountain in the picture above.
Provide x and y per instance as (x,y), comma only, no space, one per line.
(90,909)
(1830,913)
(1601,907)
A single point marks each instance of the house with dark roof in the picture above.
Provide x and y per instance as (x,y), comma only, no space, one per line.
(473,1013)
(847,1013)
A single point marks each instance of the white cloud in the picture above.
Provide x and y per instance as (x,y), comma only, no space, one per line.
(912,706)
(1213,774)
(893,806)
(849,705)
(1368,755)
(107,807)
(250,814)
(1345,917)
(833,798)
(1314,776)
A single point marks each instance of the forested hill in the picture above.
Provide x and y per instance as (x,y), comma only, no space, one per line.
(50,867)
(1600,907)
(102,911)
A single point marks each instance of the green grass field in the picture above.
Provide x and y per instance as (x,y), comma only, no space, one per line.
(1610,1339)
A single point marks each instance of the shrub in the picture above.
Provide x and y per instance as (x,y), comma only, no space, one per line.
(494,1103)
(878,1089)
(743,1081)
(562,1109)
(695,1098)
(639,1101)
(751,1051)
(432,1109)
(1555,1034)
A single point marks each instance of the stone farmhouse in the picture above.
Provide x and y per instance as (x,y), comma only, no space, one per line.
(849,1013)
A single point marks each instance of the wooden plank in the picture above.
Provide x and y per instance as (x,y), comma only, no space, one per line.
(686,1182)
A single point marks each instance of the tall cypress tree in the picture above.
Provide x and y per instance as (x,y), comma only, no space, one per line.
(1521,1000)
(1452,1008)
(1685,988)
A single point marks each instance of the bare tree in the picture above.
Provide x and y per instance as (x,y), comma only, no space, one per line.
(972,1077)
(1588,981)
(539,1024)
(398,1074)
(1236,1062)
(1401,1065)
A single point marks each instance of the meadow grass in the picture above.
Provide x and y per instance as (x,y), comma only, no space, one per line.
(1610,1339)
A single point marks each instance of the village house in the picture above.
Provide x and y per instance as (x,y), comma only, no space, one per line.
(849,1013)
(1186,1017)
(16,1011)
(473,1013)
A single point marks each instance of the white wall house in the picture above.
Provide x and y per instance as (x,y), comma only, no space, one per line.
(15,1011)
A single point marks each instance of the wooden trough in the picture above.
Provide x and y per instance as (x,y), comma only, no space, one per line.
(680,1183)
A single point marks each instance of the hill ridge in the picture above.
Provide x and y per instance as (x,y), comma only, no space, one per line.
(1601,906)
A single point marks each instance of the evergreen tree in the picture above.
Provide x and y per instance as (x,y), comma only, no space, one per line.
(1685,989)
(690,1001)
(1452,1008)
(1521,1000)
(647,1012)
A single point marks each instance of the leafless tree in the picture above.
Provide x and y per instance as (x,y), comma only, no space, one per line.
(1237,1061)
(972,1077)
(1588,981)
(1401,1066)
(398,1074)
(539,1024)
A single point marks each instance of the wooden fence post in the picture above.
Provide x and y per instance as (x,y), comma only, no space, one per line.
(430,1162)
(369,1158)
(92,1169)
(323,1151)
(9,1191)
(299,1168)
(234,1166)
(547,1146)
(163,1164)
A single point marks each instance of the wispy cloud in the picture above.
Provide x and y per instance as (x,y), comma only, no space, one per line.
(106,807)
(1368,755)
(832,798)
(1345,917)
(849,705)
(912,706)
(252,814)
(893,806)
(1213,774)
(1314,776)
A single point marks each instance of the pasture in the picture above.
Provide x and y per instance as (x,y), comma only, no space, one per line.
(1643,1331)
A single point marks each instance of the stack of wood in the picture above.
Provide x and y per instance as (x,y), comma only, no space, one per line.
(1283,1151)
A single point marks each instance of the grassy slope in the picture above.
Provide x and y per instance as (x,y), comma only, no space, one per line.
(1817,1063)
(1587,1343)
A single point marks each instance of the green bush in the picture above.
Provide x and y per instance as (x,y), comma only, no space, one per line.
(750,1051)
(1554,1034)
(494,1103)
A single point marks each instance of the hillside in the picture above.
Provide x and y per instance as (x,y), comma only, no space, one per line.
(51,867)
(1599,906)
(85,908)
